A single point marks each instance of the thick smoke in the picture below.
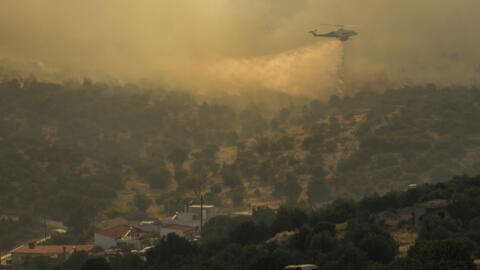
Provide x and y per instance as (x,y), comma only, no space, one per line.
(239,44)
(311,70)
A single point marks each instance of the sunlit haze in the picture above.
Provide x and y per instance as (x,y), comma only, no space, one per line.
(177,41)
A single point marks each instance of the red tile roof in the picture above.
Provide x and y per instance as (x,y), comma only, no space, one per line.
(115,232)
(179,227)
(49,250)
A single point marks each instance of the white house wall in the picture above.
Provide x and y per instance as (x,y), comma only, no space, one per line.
(104,242)
(185,219)
(135,243)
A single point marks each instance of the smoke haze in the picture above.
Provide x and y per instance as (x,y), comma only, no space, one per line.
(238,44)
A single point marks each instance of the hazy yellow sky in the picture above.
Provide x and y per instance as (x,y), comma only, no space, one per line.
(405,41)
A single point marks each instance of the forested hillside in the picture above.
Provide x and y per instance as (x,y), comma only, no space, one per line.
(77,146)
(341,235)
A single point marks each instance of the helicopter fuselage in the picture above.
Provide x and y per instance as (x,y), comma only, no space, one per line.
(340,34)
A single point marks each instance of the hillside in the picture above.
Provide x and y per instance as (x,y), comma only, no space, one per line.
(94,148)
(376,232)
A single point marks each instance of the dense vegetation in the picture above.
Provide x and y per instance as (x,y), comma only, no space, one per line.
(23,228)
(315,237)
(67,150)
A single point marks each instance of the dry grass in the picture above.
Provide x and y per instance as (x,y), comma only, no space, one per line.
(281,238)
(405,238)
(255,193)
(226,155)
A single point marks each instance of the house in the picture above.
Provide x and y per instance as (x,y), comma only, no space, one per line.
(184,219)
(191,216)
(424,210)
(207,210)
(244,213)
(5,260)
(148,225)
(119,235)
(302,267)
(55,252)
(183,231)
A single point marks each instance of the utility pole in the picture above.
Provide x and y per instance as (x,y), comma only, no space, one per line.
(95,217)
(341,83)
(45,226)
(168,208)
(201,213)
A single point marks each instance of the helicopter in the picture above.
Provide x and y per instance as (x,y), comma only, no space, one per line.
(340,34)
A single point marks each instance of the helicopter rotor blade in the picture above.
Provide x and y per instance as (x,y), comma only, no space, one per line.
(340,25)
(329,24)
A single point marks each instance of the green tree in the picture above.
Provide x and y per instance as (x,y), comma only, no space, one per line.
(159,178)
(318,190)
(323,241)
(293,189)
(231,177)
(376,242)
(76,260)
(252,122)
(264,259)
(379,248)
(96,264)
(436,228)
(442,255)
(288,219)
(36,263)
(194,183)
(249,233)
(79,220)
(237,194)
(171,252)
(178,156)
(142,201)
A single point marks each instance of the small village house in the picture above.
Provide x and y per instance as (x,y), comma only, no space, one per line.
(119,235)
(183,218)
(191,216)
(425,210)
(149,225)
(207,211)
(187,232)
(56,253)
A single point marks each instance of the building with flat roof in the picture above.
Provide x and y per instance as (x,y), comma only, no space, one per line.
(183,218)
(183,231)
(119,235)
(6,259)
(433,208)
(191,216)
(207,210)
(54,252)
(302,267)
(147,225)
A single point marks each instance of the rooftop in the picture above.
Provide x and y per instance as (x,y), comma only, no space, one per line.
(302,266)
(437,203)
(117,231)
(149,222)
(179,227)
(243,213)
(206,206)
(49,250)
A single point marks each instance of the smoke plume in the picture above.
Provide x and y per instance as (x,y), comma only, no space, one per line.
(242,44)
